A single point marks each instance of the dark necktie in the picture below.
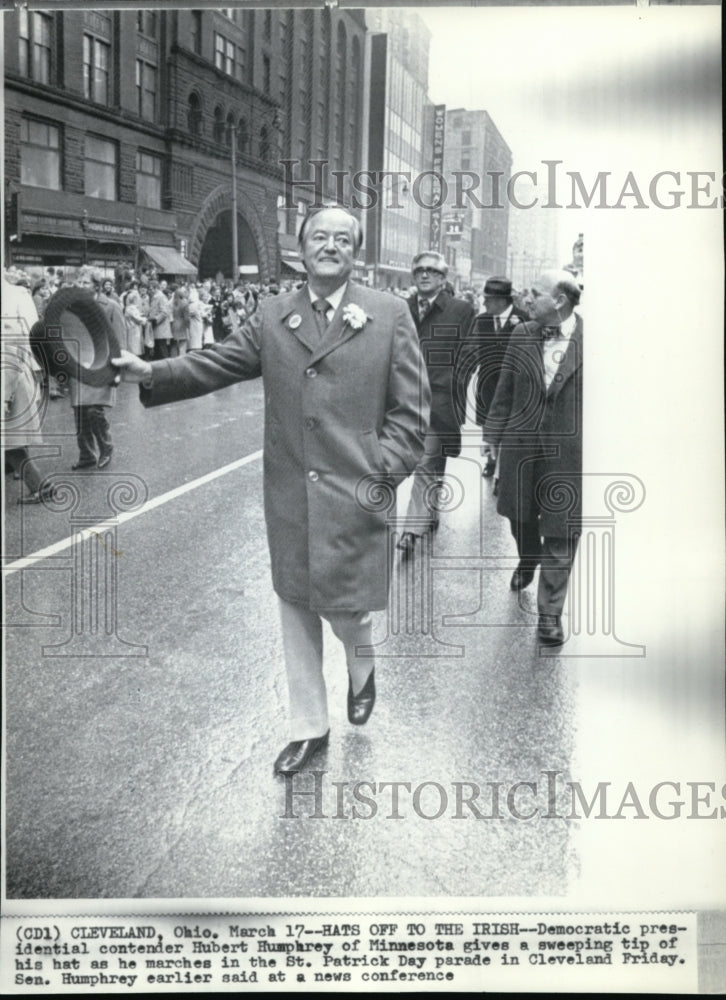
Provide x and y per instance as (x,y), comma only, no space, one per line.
(423,308)
(550,332)
(320,308)
(497,325)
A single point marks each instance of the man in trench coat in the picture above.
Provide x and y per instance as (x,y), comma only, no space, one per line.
(536,417)
(346,409)
(442,323)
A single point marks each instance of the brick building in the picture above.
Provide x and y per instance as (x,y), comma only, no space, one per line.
(120,125)
(475,238)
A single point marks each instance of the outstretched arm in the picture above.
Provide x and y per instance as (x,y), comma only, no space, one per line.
(237,359)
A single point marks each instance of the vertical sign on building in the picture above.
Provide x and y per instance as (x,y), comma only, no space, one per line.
(438,171)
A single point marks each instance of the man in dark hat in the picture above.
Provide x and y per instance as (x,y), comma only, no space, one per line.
(490,335)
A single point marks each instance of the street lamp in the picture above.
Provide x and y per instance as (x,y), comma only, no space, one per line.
(235,247)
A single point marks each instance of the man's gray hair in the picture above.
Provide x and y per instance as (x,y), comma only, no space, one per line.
(316,209)
(434,255)
(569,288)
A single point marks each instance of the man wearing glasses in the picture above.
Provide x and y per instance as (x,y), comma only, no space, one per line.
(442,323)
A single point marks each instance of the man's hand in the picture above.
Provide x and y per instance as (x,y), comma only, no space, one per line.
(131,368)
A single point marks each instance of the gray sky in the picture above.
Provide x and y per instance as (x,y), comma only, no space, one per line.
(599,88)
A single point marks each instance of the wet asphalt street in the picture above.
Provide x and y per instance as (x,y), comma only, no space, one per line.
(146,698)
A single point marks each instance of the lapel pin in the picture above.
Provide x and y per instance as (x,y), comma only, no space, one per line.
(295,321)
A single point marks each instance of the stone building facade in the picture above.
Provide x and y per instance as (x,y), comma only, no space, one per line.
(120,127)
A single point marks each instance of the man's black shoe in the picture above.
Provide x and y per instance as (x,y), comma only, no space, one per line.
(297,754)
(84,463)
(104,460)
(549,630)
(521,578)
(361,705)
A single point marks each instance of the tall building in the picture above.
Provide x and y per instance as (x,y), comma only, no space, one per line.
(400,123)
(475,237)
(533,236)
(122,128)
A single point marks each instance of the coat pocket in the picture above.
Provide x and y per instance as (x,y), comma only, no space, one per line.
(373,451)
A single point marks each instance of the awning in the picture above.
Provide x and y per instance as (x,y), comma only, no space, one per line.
(169,260)
(248,269)
(295,265)
(394,267)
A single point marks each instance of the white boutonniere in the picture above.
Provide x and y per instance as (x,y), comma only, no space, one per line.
(354,316)
(514,320)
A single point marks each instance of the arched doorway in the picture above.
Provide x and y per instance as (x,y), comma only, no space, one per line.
(216,252)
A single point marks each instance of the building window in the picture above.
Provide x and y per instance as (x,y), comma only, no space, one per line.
(148,179)
(224,54)
(218,124)
(266,74)
(240,68)
(146,23)
(268,25)
(243,136)
(39,154)
(146,89)
(281,215)
(34,45)
(466,138)
(197,32)
(100,166)
(229,136)
(95,69)
(264,143)
(194,115)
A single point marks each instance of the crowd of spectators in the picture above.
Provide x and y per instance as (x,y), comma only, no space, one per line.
(163,317)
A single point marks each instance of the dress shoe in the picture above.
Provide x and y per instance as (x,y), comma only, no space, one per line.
(104,460)
(297,754)
(84,463)
(549,630)
(361,705)
(407,544)
(489,466)
(39,496)
(521,578)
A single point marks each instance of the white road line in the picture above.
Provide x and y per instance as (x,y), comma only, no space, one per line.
(51,550)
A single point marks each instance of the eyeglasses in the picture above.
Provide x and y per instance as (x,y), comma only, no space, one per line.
(428,270)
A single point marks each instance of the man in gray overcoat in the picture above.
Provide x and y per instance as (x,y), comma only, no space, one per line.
(536,417)
(346,407)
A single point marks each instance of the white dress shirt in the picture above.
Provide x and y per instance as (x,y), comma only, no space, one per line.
(333,300)
(554,349)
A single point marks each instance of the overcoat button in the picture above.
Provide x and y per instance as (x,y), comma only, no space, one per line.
(313,476)
(310,423)
(311,372)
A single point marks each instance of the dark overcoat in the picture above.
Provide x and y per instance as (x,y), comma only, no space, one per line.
(486,350)
(540,433)
(340,412)
(442,335)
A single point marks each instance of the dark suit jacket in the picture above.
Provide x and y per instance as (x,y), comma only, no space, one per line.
(442,335)
(540,432)
(486,353)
